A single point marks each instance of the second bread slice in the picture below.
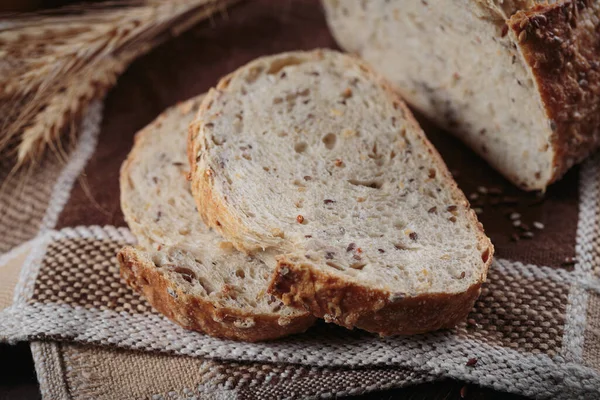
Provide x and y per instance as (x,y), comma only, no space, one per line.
(312,156)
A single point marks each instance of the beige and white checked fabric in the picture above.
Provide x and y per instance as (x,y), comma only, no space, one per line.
(535,330)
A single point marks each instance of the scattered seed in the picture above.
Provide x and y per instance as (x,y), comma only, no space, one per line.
(351,247)
(328,201)
(300,219)
(471,362)
(432,210)
(463,390)
(514,216)
(357,257)
(329,255)
(482,190)
(451,208)
(413,236)
(307,178)
(308,236)
(338,162)
(538,225)
(473,196)
(381,251)
(516,223)
(462,274)
(359,250)
(527,235)
(452,219)
(154,179)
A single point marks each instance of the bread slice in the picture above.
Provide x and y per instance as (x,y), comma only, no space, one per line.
(185,270)
(313,156)
(518,81)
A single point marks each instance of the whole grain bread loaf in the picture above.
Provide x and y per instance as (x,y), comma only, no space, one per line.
(311,155)
(184,269)
(518,81)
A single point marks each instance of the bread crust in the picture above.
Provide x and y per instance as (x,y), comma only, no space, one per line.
(352,305)
(561,45)
(197,313)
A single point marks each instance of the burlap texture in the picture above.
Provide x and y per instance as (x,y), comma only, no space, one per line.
(534,330)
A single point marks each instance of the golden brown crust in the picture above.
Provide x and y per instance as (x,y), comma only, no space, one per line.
(353,305)
(561,45)
(197,313)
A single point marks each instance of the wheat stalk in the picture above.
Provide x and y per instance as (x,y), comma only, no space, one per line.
(53,64)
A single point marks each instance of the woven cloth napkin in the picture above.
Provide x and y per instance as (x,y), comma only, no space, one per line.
(534,330)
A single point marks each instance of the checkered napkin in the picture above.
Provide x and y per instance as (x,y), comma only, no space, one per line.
(535,330)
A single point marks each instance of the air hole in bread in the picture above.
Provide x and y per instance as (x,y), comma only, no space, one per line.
(298,183)
(485,255)
(399,225)
(430,193)
(254,73)
(329,140)
(334,265)
(283,62)
(187,274)
(300,147)
(373,184)
(205,285)
(217,141)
